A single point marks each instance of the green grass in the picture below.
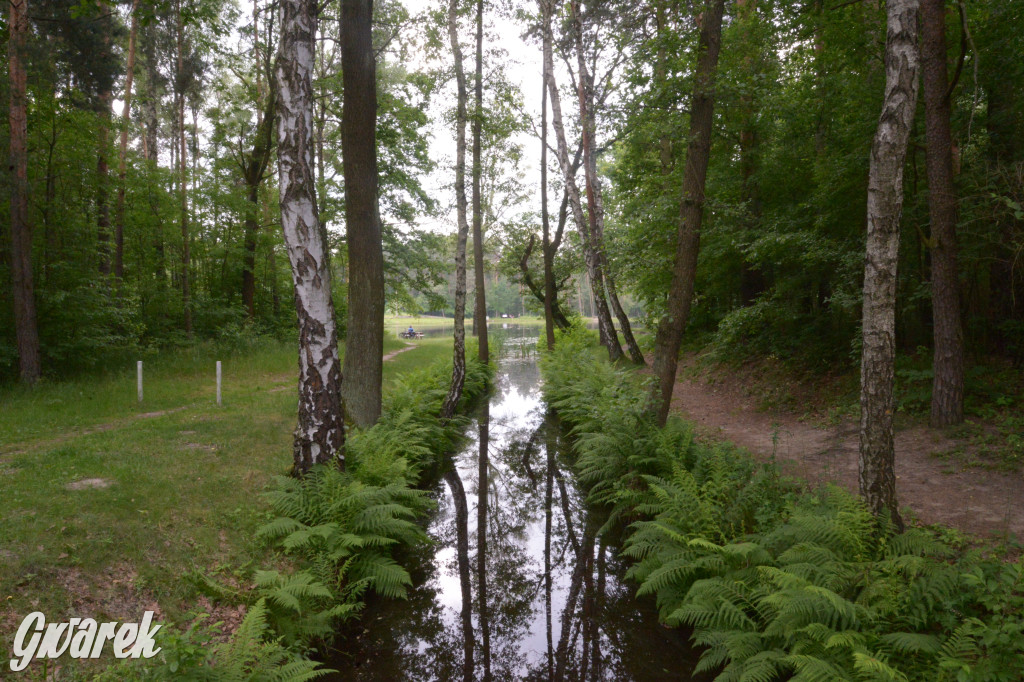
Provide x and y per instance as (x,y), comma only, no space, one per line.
(397,323)
(181,480)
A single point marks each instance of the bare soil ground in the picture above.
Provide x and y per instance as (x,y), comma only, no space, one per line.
(935,488)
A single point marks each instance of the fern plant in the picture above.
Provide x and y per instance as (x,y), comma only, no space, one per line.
(778,583)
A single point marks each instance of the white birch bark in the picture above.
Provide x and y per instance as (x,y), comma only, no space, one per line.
(885,205)
(320,433)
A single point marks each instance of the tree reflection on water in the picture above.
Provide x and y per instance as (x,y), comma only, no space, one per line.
(531,591)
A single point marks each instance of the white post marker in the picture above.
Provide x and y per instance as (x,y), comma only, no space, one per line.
(138,371)
(218,383)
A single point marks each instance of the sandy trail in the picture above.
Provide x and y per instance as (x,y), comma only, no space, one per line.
(936,489)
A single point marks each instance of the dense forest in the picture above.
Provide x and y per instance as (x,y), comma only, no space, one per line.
(835,187)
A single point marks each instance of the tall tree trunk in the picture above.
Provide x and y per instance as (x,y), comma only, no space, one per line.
(752,282)
(129,77)
(320,433)
(150,102)
(364,345)
(254,167)
(601,278)
(885,206)
(23,289)
(948,387)
(186,259)
(609,338)
(480,310)
(550,293)
(102,182)
(451,401)
(252,226)
(691,214)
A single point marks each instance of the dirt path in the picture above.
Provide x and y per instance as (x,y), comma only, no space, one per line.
(936,489)
(408,347)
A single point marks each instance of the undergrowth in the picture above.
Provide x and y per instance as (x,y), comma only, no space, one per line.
(777,582)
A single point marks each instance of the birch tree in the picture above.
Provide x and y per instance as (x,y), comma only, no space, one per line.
(451,401)
(691,214)
(320,433)
(885,206)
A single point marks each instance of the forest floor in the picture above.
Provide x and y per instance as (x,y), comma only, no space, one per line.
(110,508)
(941,478)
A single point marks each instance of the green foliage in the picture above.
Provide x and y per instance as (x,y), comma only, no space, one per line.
(776,583)
(344,528)
(252,654)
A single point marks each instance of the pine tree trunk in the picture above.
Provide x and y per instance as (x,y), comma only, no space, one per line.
(129,77)
(364,344)
(885,205)
(451,401)
(186,259)
(102,183)
(948,387)
(480,309)
(23,289)
(320,433)
(609,338)
(669,336)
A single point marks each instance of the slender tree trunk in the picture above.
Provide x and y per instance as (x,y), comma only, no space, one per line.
(102,183)
(454,482)
(129,77)
(635,355)
(254,168)
(364,345)
(186,258)
(752,282)
(483,467)
(320,433)
(23,289)
(948,387)
(684,271)
(550,445)
(451,401)
(601,278)
(885,205)
(609,338)
(252,226)
(480,310)
(550,296)
(550,293)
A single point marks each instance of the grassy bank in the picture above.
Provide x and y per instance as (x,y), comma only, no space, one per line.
(775,580)
(110,508)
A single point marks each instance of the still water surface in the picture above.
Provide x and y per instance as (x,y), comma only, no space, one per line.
(515,585)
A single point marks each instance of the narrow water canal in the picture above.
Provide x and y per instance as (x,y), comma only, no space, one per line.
(515,585)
